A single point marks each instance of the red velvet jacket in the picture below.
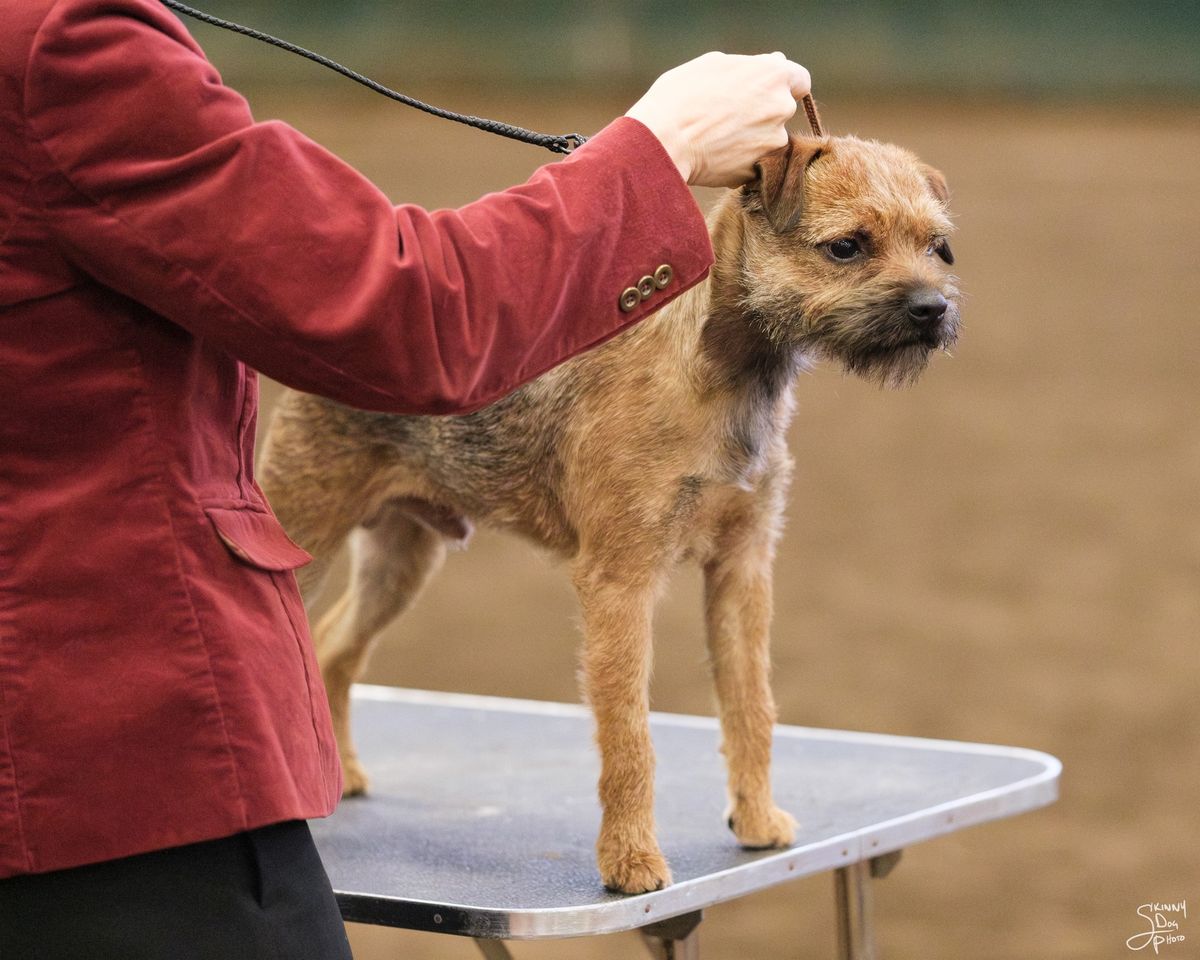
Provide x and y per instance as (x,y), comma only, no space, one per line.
(157,685)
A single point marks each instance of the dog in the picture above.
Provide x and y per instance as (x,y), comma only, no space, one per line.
(667,443)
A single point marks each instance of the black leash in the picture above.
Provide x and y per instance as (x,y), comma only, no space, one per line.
(563,143)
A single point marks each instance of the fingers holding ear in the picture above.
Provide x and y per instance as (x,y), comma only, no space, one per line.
(798,78)
(717,114)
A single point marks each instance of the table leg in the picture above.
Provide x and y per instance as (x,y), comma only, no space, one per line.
(674,939)
(494,949)
(855,920)
(855,907)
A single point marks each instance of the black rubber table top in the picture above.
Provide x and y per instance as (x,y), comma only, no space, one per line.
(482,813)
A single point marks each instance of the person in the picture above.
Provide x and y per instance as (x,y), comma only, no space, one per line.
(163,729)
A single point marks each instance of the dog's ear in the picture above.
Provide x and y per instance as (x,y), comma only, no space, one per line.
(937,186)
(937,183)
(779,186)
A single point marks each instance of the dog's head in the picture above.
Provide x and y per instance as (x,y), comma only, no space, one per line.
(845,254)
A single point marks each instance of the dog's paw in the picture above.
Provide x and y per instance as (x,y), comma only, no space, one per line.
(763,828)
(634,871)
(354,779)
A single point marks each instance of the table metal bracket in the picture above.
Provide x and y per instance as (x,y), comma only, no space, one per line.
(677,938)
(885,863)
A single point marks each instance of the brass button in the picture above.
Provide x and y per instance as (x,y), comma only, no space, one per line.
(630,298)
(646,287)
(663,275)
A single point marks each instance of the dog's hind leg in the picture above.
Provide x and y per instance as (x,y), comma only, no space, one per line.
(737,583)
(315,476)
(617,600)
(392,556)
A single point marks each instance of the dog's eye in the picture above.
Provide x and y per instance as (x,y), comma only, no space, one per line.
(940,248)
(847,248)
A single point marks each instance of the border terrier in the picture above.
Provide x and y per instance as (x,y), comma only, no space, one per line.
(665,444)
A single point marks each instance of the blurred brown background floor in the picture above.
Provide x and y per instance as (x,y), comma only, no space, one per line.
(1009,552)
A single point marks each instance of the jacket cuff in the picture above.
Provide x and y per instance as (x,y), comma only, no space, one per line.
(675,232)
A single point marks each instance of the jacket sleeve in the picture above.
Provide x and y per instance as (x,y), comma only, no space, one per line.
(160,185)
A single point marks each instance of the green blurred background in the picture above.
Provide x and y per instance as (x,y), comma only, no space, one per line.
(1071,47)
(1009,552)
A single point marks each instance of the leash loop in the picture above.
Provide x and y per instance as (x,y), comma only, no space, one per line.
(556,143)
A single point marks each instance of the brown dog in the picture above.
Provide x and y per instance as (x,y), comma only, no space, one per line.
(667,443)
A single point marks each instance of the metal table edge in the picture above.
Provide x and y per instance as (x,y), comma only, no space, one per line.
(475,701)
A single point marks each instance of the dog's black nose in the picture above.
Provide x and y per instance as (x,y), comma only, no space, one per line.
(926,307)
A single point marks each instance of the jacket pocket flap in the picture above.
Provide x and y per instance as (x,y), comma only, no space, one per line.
(257,538)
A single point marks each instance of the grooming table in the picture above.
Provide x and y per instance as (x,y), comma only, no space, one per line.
(483,812)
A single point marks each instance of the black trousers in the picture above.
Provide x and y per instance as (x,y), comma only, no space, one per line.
(260,894)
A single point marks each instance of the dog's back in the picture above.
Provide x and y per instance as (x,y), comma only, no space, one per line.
(327,468)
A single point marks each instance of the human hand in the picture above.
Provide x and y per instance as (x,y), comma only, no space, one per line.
(716,115)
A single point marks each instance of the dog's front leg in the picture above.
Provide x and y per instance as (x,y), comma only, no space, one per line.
(738,613)
(617,608)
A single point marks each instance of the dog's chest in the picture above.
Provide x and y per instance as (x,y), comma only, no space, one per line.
(748,440)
